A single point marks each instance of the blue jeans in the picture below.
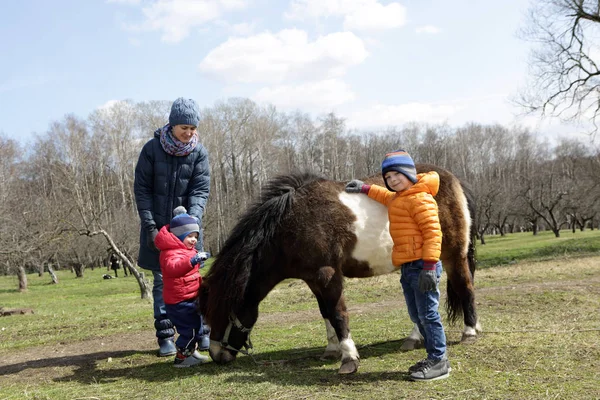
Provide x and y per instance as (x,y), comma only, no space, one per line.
(160,312)
(188,322)
(423,308)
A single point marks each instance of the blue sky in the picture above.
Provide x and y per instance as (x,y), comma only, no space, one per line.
(374,62)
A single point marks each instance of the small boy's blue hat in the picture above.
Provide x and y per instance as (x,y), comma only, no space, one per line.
(184,112)
(399,161)
(183,224)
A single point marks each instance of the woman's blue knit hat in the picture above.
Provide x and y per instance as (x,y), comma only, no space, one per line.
(399,161)
(184,112)
(183,224)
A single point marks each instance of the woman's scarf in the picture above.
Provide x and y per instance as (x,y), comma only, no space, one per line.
(174,146)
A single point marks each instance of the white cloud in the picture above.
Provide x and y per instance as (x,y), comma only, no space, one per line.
(428,29)
(176,18)
(375,16)
(357,14)
(241,29)
(309,96)
(390,115)
(287,55)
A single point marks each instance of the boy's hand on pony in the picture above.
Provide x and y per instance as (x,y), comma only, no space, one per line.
(356,186)
(428,277)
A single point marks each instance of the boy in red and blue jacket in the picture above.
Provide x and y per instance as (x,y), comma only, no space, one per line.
(179,264)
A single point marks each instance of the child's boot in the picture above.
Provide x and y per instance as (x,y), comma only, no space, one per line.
(188,358)
(204,339)
(165,332)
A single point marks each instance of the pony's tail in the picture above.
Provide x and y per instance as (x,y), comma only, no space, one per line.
(460,295)
(471,254)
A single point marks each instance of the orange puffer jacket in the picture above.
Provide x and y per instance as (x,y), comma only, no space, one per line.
(414,222)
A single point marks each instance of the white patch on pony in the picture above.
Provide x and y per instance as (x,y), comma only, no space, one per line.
(462,199)
(371,227)
(470,331)
(332,340)
(348,349)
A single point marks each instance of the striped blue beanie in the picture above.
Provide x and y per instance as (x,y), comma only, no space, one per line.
(183,224)
(399,161)
(184,112)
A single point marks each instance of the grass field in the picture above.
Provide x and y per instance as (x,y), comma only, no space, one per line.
(91,338)
(544,246)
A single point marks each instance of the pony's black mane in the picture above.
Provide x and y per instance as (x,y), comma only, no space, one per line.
(233,266)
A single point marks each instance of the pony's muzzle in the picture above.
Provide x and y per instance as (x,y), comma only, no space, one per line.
(220,354)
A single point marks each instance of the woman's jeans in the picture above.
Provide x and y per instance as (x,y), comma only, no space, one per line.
(423,308)
(160,312)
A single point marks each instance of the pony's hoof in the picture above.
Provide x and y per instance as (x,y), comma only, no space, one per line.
(331,355)
(411,344)
(468,339)
(348,367)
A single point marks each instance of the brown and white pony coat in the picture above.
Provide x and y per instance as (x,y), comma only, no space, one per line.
(309,228)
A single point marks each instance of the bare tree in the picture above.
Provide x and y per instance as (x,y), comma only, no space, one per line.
(565,79)
(78,178)
(92,195)
(579,166)
(546,194)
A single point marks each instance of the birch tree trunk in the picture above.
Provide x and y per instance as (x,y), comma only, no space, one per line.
(22,279)
(52,274)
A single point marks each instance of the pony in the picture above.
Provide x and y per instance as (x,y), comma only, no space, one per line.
(307,227)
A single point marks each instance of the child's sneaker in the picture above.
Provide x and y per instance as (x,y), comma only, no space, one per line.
(417,366)
(430,370)
(186,358)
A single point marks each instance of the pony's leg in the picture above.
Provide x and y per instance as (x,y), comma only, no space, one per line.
(332,351)
(333,305)
(413,341)
(461,297)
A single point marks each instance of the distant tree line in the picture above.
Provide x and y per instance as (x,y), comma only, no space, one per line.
(66,197)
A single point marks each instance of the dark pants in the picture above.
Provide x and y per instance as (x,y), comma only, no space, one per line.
(188,323)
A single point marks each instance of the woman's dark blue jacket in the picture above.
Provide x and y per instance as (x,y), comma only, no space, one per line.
(164,182)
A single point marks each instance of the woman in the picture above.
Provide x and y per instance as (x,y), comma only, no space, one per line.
(172,171)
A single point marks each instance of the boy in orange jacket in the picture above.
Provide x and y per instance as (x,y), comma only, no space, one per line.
(179,261)
(417,236)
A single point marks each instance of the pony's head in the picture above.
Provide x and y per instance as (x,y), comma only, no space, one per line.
(222,303)
(245,270)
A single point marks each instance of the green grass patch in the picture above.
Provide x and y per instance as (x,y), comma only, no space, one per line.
(524,246)
(66,312)
(91,338)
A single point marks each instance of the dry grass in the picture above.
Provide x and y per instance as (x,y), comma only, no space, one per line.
(541,340)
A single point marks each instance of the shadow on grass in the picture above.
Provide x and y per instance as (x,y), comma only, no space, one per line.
(301,366)
(81,361)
